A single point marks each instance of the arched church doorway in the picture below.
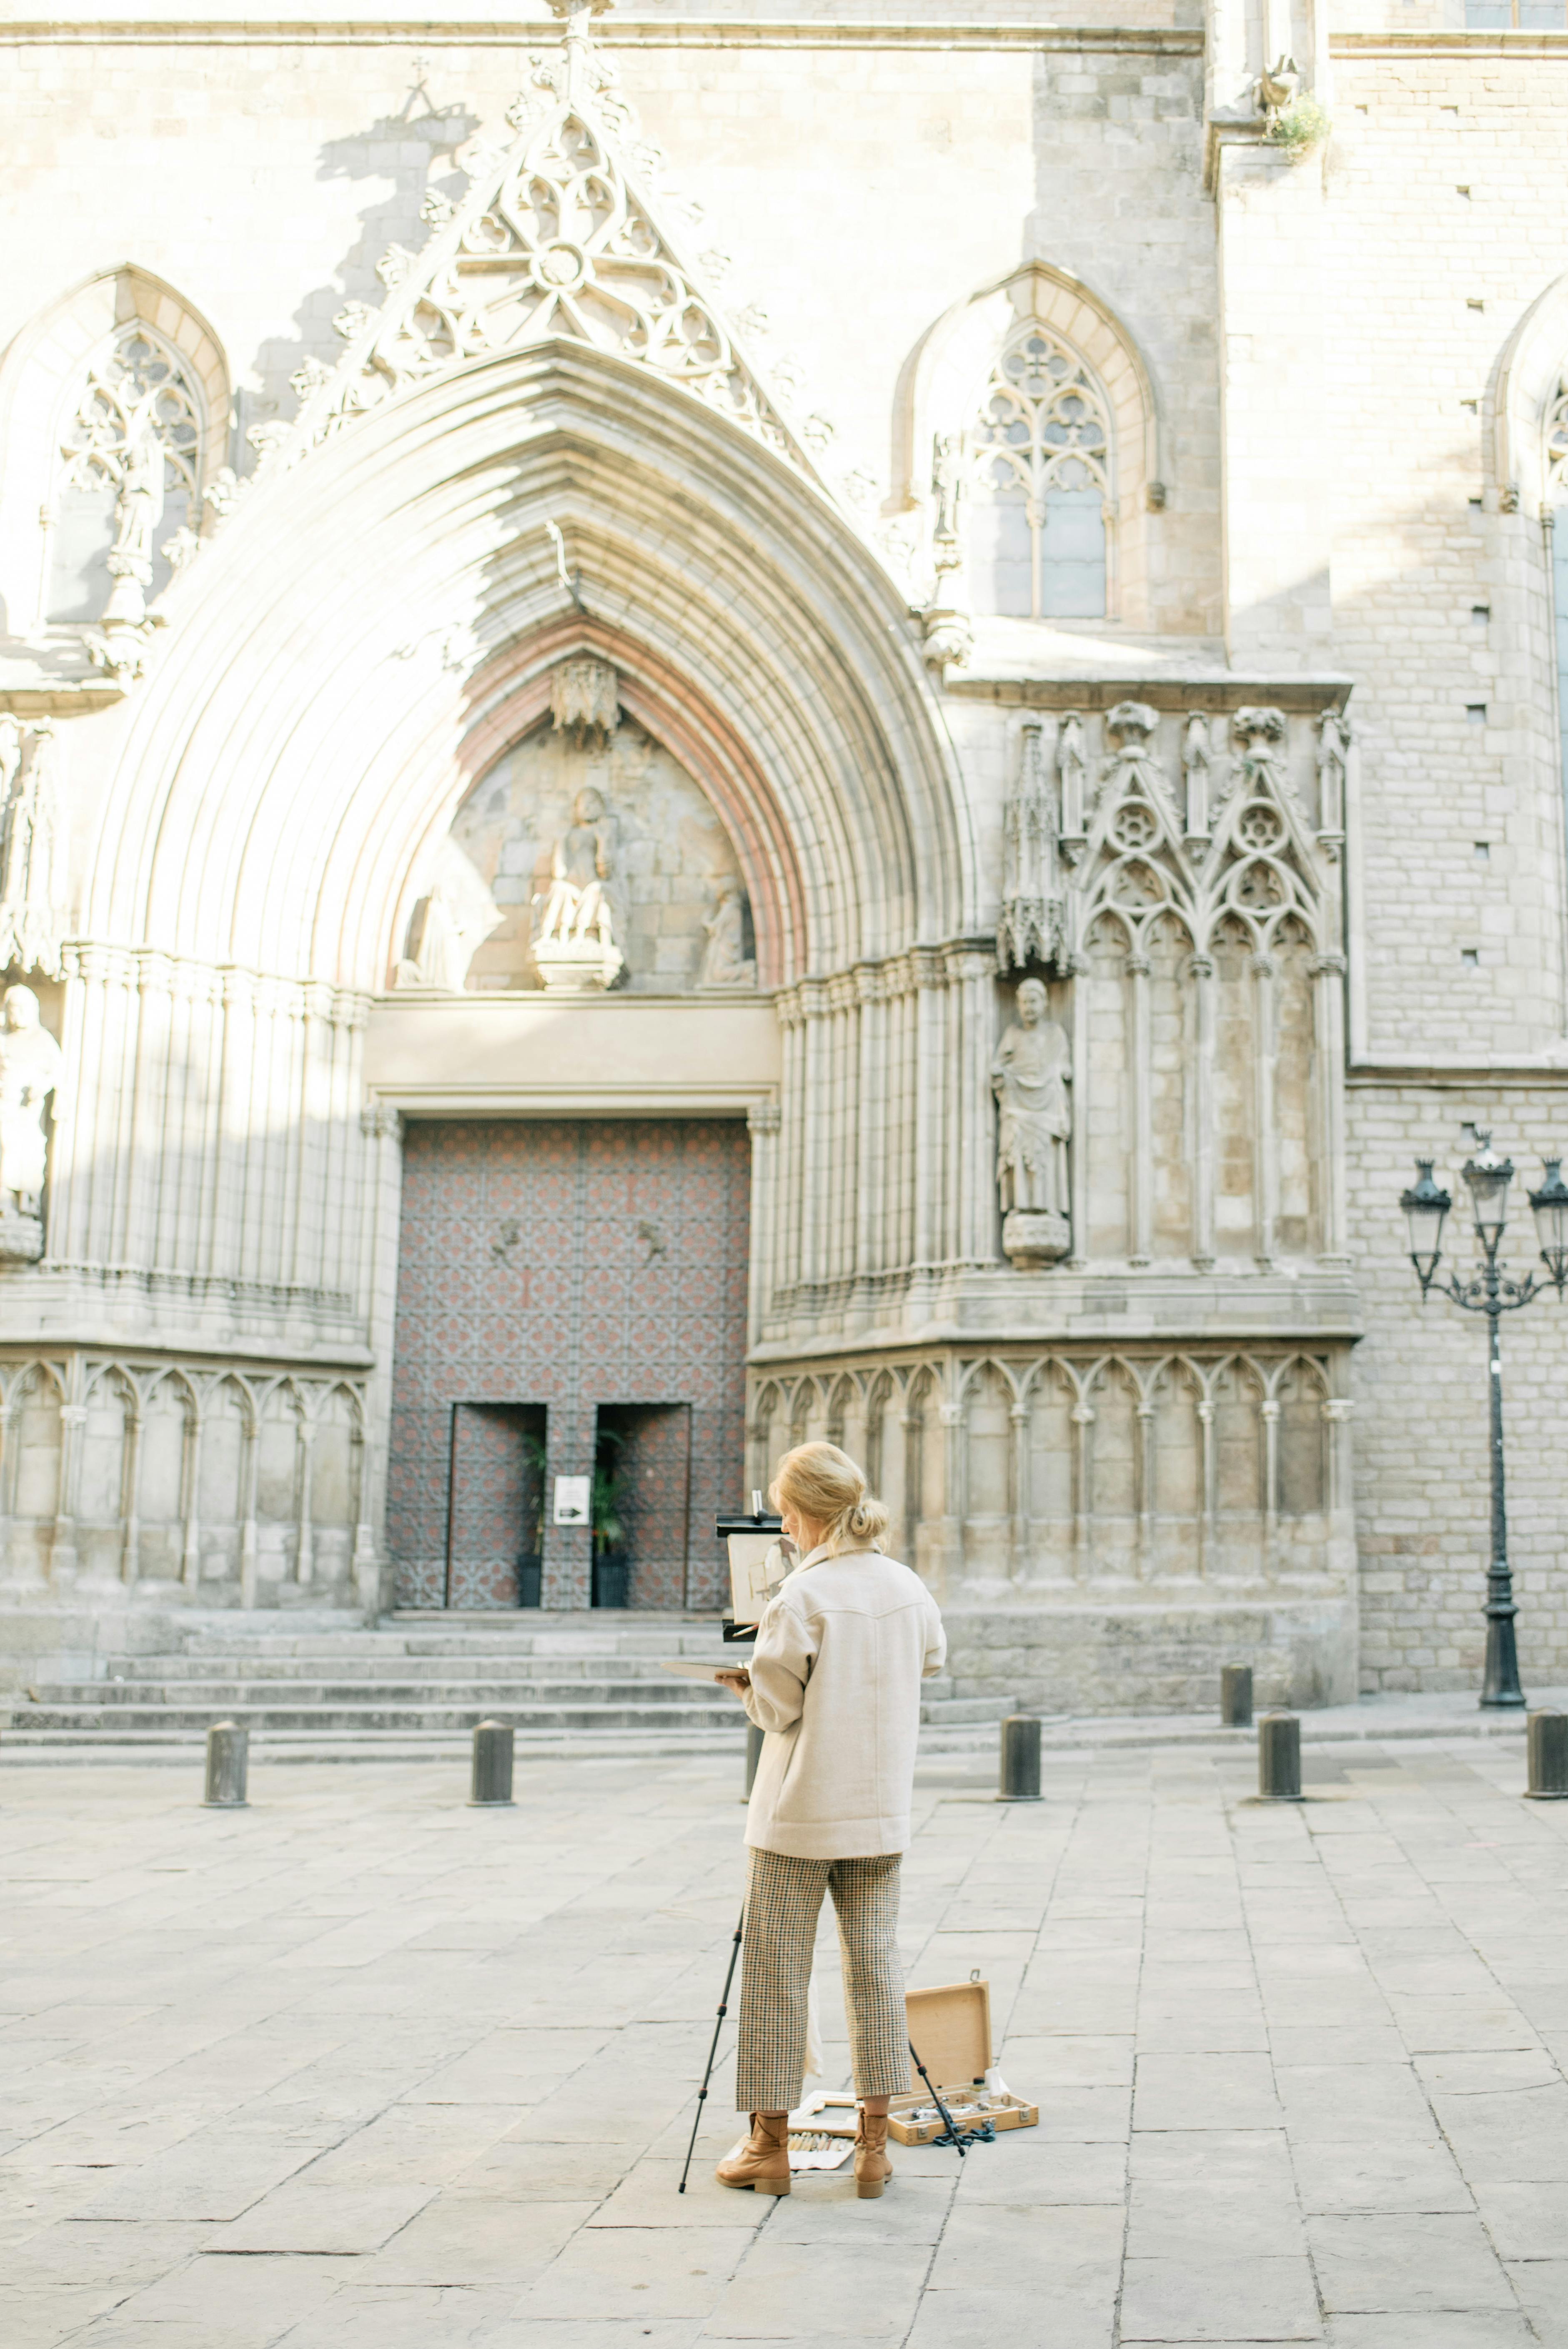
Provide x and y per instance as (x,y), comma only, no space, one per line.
(570,1304)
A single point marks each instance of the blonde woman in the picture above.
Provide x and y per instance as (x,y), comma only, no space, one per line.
(835,1681)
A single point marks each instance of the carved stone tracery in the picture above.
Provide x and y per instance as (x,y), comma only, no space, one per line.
(1044,431)
(555,236)
(135,429)
(1194,917)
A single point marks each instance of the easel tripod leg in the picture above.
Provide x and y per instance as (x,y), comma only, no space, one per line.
(713,2049)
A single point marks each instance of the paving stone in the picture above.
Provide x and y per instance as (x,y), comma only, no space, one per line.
(1406,2261)
(1374,2171)
(1188,2092)
(1204,2298)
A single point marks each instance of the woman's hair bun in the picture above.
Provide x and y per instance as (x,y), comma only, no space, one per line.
(825,1485)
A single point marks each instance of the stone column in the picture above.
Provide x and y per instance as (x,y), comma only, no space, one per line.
(64,1559)
(971,972)
(815,1191)
(1265,1042)
(130,1490)
(1083,1470)
(1140,1078)
(190,1496)
(1145,1409)
(1019,1418)
(250,1469)
(762,1122)
(1328,1008)
(1083,1091)
(1210,1501)
(1202,969)
(381,1192)
(930,1105)
(1268,1412)
(304,1545)
(868,1128)
(1338,1411)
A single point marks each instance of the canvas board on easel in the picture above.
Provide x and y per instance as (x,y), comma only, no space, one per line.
(757,1565)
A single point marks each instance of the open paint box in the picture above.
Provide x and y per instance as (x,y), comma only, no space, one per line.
(950,2029)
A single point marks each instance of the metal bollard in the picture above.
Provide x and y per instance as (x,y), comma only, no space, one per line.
(1546,1747)
(1279,1757)
(1021,1779)
(754,1737)
(1236,1696)
(228,1761)
(492,1784)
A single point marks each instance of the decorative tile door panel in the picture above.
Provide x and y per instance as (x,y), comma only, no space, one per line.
(494,1498)
(653,1477)
(570,1263)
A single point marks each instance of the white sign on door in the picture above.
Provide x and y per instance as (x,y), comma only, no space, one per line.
(571,1503)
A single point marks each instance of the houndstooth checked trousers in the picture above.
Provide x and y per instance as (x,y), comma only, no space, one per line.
(783,1902)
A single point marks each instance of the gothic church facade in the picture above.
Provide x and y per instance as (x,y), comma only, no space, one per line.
(715,728)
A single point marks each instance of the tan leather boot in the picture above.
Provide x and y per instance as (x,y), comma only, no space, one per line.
(872,2168)
(763,2161)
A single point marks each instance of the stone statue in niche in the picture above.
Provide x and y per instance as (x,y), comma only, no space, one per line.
(1029,1076)
(32,848)
(725,961)
(450,924)
(31,1064)
(574,945)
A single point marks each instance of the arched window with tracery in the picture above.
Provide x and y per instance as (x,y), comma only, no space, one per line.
(129,469)
(1040,479)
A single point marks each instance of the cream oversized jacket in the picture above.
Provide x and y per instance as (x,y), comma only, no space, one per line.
(841,1650)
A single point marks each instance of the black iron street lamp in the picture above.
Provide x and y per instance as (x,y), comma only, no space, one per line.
(1494,1293)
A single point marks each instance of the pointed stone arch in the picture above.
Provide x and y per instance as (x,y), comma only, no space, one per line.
(37,373)
(299,749)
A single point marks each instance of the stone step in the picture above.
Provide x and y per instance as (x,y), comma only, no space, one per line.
(37,1748)
(131,1672)
(92,1720)
(214,1697)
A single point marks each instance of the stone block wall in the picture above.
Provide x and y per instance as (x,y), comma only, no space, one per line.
(1443,204)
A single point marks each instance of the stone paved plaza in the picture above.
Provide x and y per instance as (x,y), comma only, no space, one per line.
(360,2067)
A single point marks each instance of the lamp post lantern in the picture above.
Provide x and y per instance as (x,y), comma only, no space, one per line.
(1494,1293)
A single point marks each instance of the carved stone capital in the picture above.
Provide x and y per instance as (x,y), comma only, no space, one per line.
(380,1122)
(764,1118)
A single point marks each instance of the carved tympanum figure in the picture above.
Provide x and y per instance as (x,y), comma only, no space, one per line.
(725,962)
(31,1064)
(450,924)
(1030,1076)
(580,864)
